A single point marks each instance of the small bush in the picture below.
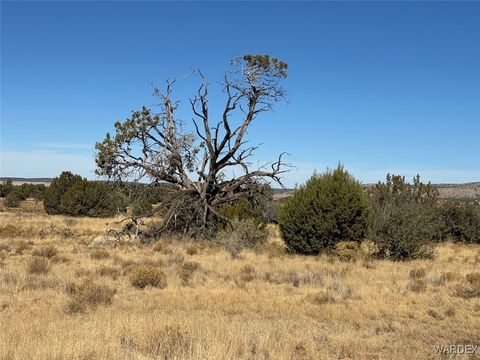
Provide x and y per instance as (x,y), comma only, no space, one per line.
(45,251)
(329,208)
(322,297)
(473,279)
(247,273)
(12,200)
(405,233)
(88,294)
(37,265)
(147,275)
(241,234)
(434,314)
(418,273)
(168,343)
(186,271)
(99,254)
(417,285)
(347,251)
(344,292)
(467,291)
(404,225)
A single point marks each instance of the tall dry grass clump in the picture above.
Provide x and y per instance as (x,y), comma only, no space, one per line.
(88,294)
(147,275)
(37,265)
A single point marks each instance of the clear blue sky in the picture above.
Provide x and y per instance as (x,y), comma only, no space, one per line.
(380,86)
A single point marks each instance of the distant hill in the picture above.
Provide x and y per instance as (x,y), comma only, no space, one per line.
(20,180)
(466,191)
(27,180)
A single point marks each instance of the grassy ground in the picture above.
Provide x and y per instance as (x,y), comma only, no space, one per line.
(65,294)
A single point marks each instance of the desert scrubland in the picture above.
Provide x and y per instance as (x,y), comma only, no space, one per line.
(67,291)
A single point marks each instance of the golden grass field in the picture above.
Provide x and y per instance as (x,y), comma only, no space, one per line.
(266,305)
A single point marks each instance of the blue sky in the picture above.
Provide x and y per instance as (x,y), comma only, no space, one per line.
(379,86)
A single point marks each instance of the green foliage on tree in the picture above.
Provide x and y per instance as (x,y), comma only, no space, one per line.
(52,200)
(403,224)
(242,209)
(23,191)
(142,206)
(256,206)
(72,195)
(329,208)
(459,221)
(5,187)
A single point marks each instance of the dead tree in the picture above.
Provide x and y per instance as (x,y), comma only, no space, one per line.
(160,148)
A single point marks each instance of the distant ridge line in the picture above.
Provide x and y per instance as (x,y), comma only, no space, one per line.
(5,178)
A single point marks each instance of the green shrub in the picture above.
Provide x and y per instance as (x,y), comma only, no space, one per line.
(242,209)
(142,206)
(258,205)
(25,191)
(241,234)
(71,195)
(91,198)
(404,225)
(459,221)
(405,233)
(329,208)
(52,201)
(6,187)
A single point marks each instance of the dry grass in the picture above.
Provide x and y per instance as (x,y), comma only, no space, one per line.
(264,305)
(37,265)
(147,275)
